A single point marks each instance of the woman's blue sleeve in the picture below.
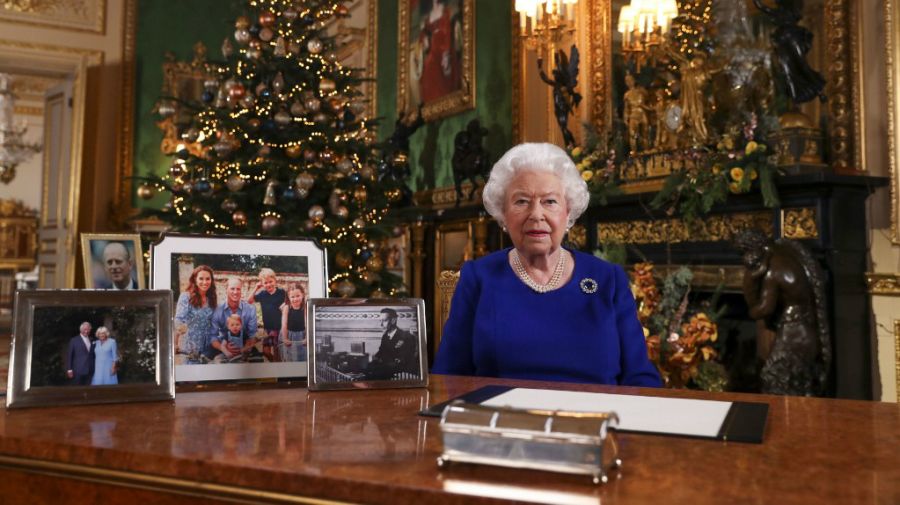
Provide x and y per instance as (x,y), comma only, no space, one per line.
(182,308)
(637,370)
(455,353)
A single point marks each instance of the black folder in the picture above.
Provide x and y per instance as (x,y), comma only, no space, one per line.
(745,421)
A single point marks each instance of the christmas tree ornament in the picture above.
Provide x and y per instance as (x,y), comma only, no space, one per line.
(222,148)
(343,259)
(266,34)
(320,118)
(302,193)
(310,155)
(289,193)
(278,83)
(367,172)
(227,48)
(314,46)
(229,205)
(354,178)
(253,54)
(360,194)
(294,47)
(316,213)
(177,170)
(242,36)
(342,212)
(241,22)
(186,188)
(266,18)
(293,151)
(221,98)
(202,186)
(146,191)
(234,183)
(365,254)
(211,85)
(165,109)
(327,85)
(270,222)
(393,194)
(237,91)
(190,135)
(326,155)
(253,124)
(264,151)
(280,47)
(254,30)
(374,263)
(344,165)
(370,277)
(282,118)
(345,288)
(308,20)
(290,14)
(239,218)
(176,187)
(312,104)
(207,96)
(248,101)
(359,223)
(260,88)
(297,108)
(269,198)
(336,103)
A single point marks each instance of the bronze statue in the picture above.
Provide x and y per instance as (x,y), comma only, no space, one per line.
(792,42)
(470,159)
(784,288)
(394,163)
(565,79)
(695,75)
(635,111)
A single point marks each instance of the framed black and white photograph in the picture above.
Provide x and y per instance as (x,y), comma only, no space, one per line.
(112,261)
(90,346)
(367,343)
(240,303)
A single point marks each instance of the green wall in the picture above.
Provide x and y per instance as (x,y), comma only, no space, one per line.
(432,146)
(170,25)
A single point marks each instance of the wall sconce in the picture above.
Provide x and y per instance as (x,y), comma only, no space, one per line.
(543,22)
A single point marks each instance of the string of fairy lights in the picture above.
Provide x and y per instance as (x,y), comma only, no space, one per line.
(283,119)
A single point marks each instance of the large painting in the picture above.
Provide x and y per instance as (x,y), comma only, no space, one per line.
(436,64)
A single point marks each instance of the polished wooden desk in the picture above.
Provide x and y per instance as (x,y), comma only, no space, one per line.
(286,445)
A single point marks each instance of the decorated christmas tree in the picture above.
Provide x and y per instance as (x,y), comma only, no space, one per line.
(278,146)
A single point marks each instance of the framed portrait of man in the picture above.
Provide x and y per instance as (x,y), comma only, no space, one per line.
(436,57)
(112,261)
(367,343)
(240,304)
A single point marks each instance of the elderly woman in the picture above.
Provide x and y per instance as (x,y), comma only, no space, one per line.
(106,359)
(193,317)
(538,310)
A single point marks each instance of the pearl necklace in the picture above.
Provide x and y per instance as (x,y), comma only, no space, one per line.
(522,274)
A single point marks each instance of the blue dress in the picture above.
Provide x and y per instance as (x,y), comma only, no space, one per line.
(499,327)
(200,329)
(104,357)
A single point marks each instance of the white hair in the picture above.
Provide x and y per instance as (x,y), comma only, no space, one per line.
(539,157)
(102,329)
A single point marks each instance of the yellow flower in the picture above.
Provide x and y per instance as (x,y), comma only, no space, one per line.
(751,146)
(708,352)
(737,173)
(587,175)
(753,174)
(729,143)
(717,169)
(576,152)
(734,187)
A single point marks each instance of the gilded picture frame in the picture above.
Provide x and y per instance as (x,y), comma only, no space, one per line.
(45,368)
(892,60)
(357,343)
(110,256)
(436,57)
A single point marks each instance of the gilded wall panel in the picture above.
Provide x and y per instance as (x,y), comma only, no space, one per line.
(77,15)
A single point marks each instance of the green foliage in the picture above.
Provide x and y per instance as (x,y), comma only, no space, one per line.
(613,252)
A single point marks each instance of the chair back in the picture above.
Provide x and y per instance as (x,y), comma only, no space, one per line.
(446,286)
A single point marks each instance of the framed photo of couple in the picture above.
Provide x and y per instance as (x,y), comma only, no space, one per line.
(90,346)
(240,304)
(358,343)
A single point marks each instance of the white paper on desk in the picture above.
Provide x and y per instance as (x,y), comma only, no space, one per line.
(674,416)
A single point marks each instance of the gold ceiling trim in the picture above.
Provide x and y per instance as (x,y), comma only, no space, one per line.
(70,15)
(518,61)
(24,110)
(881,284)
(716,228)
(892,63)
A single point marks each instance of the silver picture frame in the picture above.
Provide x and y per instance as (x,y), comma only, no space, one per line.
(357,343)
(47,325)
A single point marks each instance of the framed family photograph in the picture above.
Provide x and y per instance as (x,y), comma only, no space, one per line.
(360,343)
(90,346)
(240,303)
(436,57)
(112,261)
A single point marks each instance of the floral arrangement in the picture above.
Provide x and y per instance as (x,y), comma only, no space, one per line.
(739,159)
(681,339)
(596,162)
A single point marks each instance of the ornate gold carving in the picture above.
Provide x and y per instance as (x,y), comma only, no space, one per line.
(578,236)
(659,231)
(518,94)
(897,356)
(841,84)
(451,103)
(601,63)
(76,15)
(892,61)
(442,198)
(22,110)
(883,284)
(799,223)
(122,202)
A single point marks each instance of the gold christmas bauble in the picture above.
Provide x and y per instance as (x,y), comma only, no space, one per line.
(146,191)
(316,213)
(345,288)
(293,151)
(343,259)
(270,222)
(241,22)
(266,18)
(374,263)
(327,85)
(239,218)
(393,195)
(234,182)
